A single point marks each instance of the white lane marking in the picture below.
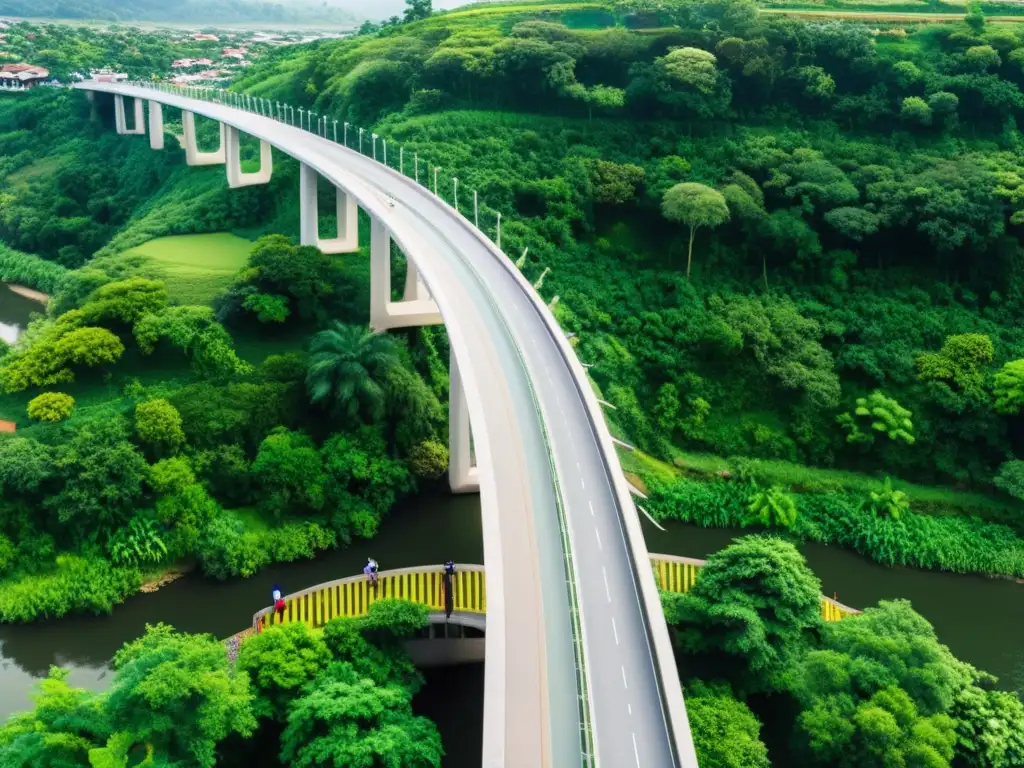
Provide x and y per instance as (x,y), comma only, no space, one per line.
(582,484)
(624,684)
(598,534)
(606,590)
(630,708)
(591,506)
(636,752)
(615,631)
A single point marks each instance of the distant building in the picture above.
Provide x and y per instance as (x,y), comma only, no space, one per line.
(182,63)
(22,75)
(203,62)
(107,75)
(202,36)
(234,53)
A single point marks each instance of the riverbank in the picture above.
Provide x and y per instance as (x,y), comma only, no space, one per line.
(946,531)
(28,293)
(423,529)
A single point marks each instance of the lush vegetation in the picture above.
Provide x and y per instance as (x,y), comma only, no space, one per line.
(776,239)
(340,696)
(146,435)
(766,678)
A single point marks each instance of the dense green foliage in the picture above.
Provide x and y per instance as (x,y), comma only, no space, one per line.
(175,700)
(858,236)
(864,522)
(872,689)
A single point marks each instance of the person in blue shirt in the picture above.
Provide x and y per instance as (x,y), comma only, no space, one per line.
(370,569)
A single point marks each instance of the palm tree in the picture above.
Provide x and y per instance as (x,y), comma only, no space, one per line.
(347,368)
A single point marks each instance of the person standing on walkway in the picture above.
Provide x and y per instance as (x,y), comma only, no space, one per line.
(449,596)
(370,569)
(278,600)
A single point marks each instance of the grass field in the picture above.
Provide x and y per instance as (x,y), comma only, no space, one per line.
(195,268)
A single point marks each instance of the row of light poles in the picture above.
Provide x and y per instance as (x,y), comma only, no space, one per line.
(303,119)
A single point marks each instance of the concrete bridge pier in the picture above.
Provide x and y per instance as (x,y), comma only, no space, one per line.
(156,125)
(347,240)
(192,154)
(120,123)
(416,310)
(233,159)
(463,477)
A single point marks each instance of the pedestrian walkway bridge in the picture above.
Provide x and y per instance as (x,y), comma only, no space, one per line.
(352,596)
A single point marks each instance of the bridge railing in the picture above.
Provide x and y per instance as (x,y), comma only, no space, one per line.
(678,574)
(353,596)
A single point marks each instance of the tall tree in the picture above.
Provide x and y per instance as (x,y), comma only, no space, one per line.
(347,368)
(695,205)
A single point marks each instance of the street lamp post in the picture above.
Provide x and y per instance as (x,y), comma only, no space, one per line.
(374,146)
(385,141)
(436,169)
(335,131)
(300,117)
(476,211)
(344,134)
(361,131)
(401,160)
(293,115)
(455,191)
(416,158)
(498,243)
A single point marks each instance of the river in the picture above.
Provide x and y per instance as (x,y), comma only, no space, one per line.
(14,313)
(982,620)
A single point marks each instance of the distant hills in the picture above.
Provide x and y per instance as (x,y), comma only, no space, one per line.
(199,12)
(188,11)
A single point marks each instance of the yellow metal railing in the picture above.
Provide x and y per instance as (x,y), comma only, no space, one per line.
(677,574)
(353,596)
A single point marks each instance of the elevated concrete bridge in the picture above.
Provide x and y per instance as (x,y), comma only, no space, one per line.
(579,667)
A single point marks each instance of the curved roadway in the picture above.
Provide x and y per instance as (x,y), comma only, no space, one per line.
(543,449)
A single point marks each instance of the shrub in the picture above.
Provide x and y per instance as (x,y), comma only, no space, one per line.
(51,407)
(77,584)
(428,459)
(137,543)
(158,424)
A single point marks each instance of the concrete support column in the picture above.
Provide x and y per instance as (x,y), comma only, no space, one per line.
(380,275)
(347,240)
(233,159)
(192,154)
(417,309)
(120,121)
(463,477)
(156,125)
(308,214)
(415,290)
